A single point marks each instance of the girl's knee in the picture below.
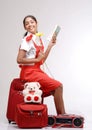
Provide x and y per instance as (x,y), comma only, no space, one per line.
(60,88)
(57,90)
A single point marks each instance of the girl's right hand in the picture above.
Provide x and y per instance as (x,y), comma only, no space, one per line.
(41,56)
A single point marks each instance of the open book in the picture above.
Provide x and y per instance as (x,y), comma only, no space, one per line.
(55,32)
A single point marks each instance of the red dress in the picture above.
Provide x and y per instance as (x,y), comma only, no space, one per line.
(35,74)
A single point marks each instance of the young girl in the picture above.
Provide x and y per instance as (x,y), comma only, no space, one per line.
(31,56)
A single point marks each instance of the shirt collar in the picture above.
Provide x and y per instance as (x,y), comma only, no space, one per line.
(34,36)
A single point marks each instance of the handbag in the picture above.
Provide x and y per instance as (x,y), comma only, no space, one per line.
(31,115)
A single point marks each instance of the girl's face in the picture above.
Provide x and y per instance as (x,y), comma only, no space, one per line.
(30,25)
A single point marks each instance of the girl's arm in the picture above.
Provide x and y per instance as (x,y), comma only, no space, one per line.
(21,58)
(51,44)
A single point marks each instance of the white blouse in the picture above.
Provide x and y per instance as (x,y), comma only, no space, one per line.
(29,46)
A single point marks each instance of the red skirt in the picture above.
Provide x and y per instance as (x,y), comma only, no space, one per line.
(35,74)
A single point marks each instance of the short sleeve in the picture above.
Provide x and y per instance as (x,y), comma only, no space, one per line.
(24,45)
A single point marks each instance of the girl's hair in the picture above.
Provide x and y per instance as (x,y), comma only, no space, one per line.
(31,16)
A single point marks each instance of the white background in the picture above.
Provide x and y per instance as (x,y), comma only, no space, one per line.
(70,61)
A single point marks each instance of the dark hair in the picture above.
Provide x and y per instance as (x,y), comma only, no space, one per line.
(31,16)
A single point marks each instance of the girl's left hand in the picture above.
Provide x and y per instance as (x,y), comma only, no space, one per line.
(53,40)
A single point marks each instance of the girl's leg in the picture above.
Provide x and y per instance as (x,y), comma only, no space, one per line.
(58,100)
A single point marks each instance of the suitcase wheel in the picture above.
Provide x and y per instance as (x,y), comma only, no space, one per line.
(9,121)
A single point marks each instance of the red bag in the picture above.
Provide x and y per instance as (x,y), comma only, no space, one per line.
(31,115)
(15,97)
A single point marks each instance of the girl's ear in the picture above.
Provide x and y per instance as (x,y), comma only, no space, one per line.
(37,28)
(24,27)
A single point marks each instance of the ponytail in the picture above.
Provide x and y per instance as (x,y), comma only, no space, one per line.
(25,34)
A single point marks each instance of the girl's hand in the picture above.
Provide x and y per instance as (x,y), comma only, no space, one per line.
(41,56)
(50,45)
(53,40)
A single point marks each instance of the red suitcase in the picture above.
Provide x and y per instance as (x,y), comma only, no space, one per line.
(15,97)
(31,115)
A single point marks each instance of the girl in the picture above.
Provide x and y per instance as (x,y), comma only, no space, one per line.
(31,56)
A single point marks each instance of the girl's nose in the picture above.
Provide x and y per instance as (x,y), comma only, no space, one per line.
(30,25)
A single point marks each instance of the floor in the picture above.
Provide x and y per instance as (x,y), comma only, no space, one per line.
(6,126)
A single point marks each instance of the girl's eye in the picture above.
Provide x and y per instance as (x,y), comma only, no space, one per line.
(26,23)
(31,22)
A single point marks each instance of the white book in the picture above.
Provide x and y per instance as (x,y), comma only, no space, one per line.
(55,32)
